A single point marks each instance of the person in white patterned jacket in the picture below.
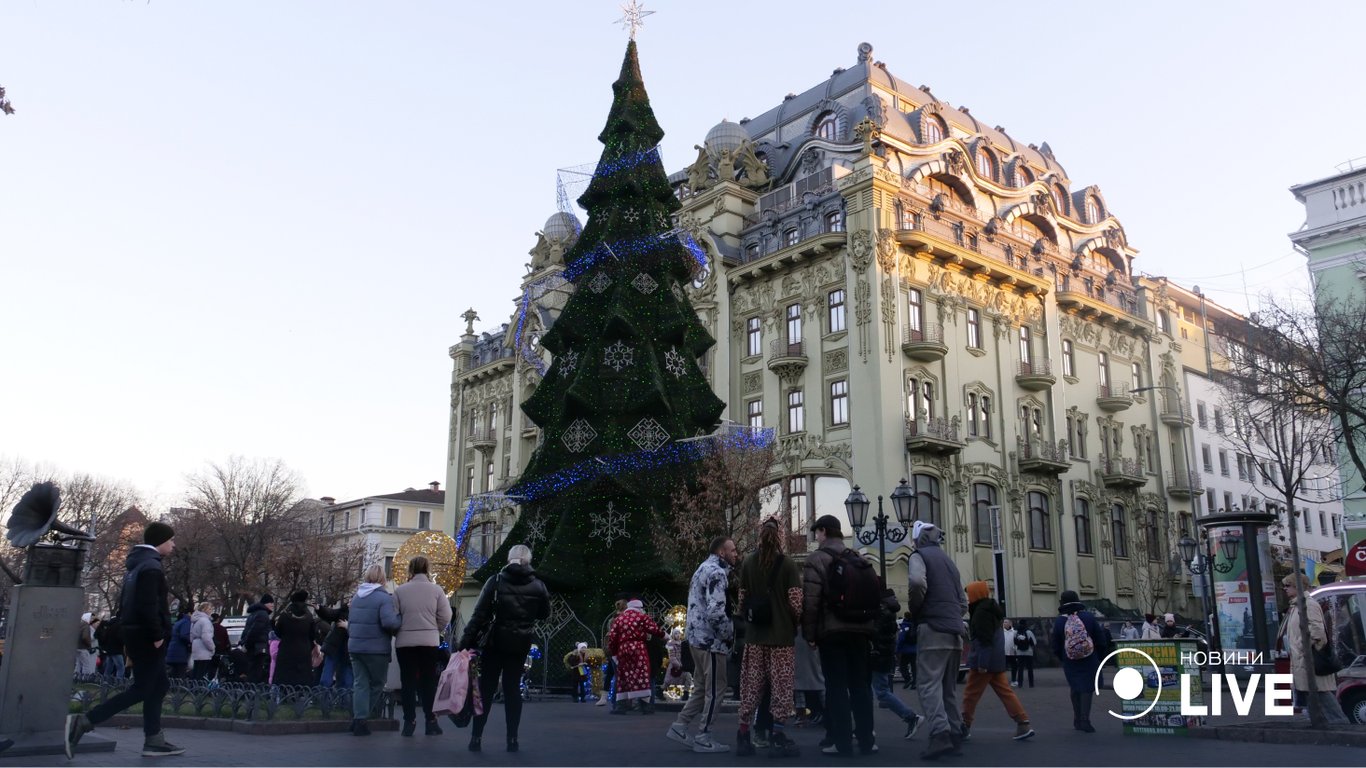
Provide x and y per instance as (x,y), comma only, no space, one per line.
(710,635)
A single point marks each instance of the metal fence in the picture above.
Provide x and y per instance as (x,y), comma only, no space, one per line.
(236,701)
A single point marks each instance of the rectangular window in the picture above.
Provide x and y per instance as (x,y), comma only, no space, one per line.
(1200,417)
(1024,345)
(1219,420)
(919,400)
(837,310)
(1223,462)
(1080,439)
(755,409)
(1206,458)
(927,501)
(1336,529)
(469,480)
(915,311)
(972,414)
(346,521)
(794,323)
(984,497)
(1103,360)
(1082,517)
(791,237)
(493,418)
(1040,521)
(1071,443)
(1323,522)
(488,477)
(1209,500)
(834,221)
(1119,531)
(986,416)
(754,337)
(1136,376)
(796,413)
(839,402)
(974,329)
(796,502)
(1069,363)
(1153,537)
(389,566)
(391,517)
(1228,501)
(424,519)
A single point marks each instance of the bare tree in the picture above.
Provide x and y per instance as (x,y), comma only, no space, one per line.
(5,106)
(303,558)
(730,487)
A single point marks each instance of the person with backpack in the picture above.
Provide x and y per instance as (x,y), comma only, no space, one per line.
(178,650)
(937,602)
(770,598)
(905,650)
(111,641)
(1079,643)
(1024,641)
(842,596)
(987,661)
(710,633)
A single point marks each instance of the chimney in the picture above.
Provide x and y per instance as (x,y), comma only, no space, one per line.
(328,500)
(435,486)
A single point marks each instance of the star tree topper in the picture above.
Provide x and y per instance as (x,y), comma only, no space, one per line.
(633,15)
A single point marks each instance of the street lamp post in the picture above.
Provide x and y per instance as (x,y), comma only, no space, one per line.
(903,503)
(1202,563)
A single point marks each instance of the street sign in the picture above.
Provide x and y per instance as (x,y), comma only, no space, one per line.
(1354,548)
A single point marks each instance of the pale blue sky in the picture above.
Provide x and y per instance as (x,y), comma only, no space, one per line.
(250,228)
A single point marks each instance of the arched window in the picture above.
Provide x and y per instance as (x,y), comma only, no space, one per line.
(984,497)
(1022,176)
(1082,518)
(1153,536)
(986,164)
(1040,521)
(934,132)
(1119,531)
(927,499)
(1059,199)
(826,126)
(1094,213)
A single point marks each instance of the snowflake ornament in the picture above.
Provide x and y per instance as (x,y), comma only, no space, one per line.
(618,356)
(579,435)
(648,434)
(631,215)
(600,282)
(535,530)
(569,361)
(678,292)
(609,525)
(644,283)
(675,363)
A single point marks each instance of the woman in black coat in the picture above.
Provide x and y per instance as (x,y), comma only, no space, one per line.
(298,628)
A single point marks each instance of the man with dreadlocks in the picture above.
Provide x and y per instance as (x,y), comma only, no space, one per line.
(770,606)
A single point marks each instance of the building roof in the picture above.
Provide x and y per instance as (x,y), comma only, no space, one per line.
(424,496)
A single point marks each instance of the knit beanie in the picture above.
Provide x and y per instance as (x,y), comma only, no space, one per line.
(157,534)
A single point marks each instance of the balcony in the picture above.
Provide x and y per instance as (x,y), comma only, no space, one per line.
(1113,397)
(1122,473)
(787,359)
(1175,414)
(924,344)
(484,440)
(1036,375)
(1184,486)
(1094,298)
(934,436)
(1041,456)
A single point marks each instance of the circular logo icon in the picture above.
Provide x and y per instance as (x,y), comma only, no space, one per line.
(1129,681)
(1356,559)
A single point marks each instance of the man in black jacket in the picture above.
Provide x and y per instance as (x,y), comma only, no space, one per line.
(146,625)
(256,639)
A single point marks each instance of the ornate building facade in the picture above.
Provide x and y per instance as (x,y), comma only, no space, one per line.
(902,291)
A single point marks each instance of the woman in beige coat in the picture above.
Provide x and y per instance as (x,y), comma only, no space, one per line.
(426,611)
(1302,662)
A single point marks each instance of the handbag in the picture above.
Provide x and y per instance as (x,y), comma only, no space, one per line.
(317,658)
(1325,661)
(758,609)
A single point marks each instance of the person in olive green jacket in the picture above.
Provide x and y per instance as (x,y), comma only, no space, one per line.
(770,606)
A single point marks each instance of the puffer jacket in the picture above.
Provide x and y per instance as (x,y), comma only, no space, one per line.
(817,618)
(373,619)
(710,627)
(178,650)
(509,606)
(425,610)
(201,637)
(256,632)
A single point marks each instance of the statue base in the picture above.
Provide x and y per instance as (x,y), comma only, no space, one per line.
(50,743)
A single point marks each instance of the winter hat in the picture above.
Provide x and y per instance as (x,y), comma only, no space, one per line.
(581,646)
(1169,617)
(157,534)
(978,590)
(1069,597)
(635,605)
(830,524)
(87,616)
(918,528)
(299,597)
(267,598)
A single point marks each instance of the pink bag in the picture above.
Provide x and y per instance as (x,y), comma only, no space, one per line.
(454,687)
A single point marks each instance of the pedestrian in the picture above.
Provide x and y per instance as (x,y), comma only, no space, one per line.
(1128,631)
(201,643)
(1079,643)
(255,639)
(609,666)
(710,633)
(579,663)
(1169,629)
(145,617)
(425,610)
(1150,630)
(884,664)
(1025,642)
(626,642)
(336,658)
(841,598)
(299,629)
(501,629)
(110,638)
(770,599)
(373,622)
(1008,629)
(87,646)
(937,604)
(987,661)
(1301,661)
(178,654)
(810,682)
(905,650)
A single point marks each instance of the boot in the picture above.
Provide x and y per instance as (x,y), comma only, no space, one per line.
(940,745)
(359,728)
(781,746)
(409,727)
(1086,727)
(744,746)
(512,744)
(433,729)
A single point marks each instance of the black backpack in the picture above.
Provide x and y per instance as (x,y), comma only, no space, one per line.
(1022,641)
(854,593)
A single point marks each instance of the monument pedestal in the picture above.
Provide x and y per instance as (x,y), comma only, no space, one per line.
(50,743)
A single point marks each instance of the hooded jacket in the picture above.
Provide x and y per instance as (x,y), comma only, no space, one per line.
(710,627)
(509,606)
(884,641)
(201,637)
(178,650)
(935,597)
(371,619)
(818,620)
(256,632)
(144,607)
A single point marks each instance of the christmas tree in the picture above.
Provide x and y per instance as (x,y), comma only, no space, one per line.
(624,386)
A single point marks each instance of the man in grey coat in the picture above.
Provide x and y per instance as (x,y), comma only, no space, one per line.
(937,602)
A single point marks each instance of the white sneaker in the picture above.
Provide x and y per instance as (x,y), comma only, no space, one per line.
(679,734)
(702,743)
(602,701)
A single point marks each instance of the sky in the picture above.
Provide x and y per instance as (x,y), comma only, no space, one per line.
(250,229)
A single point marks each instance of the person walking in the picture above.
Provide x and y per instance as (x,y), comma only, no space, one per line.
(255,639)
(145,615)
(937,602)
(840,602)
(87,645)
(111,641)
(201,643)
(373,621)
(626,642)
(1013,668)
(501,629)
(884,664)
(178,652)
(710,633)
(298,629)
(770,598)
(905,650)
(987,661)
(1079,643)
(1301,659)
(425,610)
(1025,641)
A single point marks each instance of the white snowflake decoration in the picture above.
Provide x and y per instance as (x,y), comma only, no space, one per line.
(618,356)
(535,530)
(569,361)
(644,283)
(678,292)
(675,363)
(631,215)
(579,435)
(600,282)
(648,434)
(609,525)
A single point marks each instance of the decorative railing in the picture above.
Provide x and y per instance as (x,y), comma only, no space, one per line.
(1036,368)
(1121,466)
(235,701)
(785,348)
(1119,390)
(941,428)
(927,334)
(1038,448)
(1185,481)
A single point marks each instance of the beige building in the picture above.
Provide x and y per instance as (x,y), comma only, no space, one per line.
(386,521)
(902,291)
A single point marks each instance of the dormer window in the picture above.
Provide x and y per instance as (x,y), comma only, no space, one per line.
(1059,199)
(934,132)
(986,164)
(826,126)
(1022,177)
(1094,213)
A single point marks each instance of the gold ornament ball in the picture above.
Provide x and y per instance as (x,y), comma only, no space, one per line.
(447,562)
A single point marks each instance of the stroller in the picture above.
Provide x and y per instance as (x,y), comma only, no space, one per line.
(233,666)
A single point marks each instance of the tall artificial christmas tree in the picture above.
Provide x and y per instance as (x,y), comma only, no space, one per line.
(624,387)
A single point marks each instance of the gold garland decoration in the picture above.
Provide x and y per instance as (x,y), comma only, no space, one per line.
(447,562)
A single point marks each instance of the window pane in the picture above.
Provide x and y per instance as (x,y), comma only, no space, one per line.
(837,310)
(926,489)
(839,402)
(984,497)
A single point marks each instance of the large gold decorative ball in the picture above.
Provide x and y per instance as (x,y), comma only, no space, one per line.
(447,562)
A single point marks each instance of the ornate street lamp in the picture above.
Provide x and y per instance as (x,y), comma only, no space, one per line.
(903,503)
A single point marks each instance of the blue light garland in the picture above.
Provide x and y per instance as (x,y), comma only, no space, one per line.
(627,162)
